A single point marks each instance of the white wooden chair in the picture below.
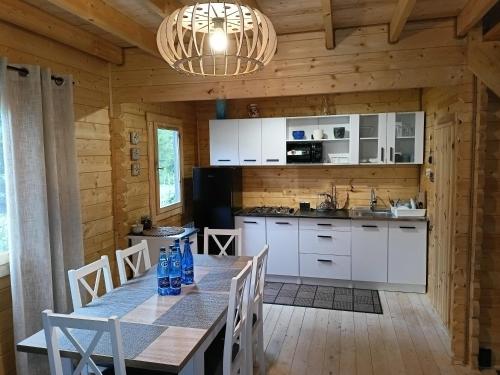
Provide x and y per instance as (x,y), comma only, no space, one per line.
(234,234)
(256,326)
(140,251)
(236,341)
(77,277)
(55,324)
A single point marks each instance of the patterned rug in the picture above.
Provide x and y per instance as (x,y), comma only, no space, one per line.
(323,297)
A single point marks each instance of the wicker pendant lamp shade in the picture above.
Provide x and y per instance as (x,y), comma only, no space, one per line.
(217,39)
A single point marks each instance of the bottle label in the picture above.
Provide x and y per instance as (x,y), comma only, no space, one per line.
(175,282)
(163,282)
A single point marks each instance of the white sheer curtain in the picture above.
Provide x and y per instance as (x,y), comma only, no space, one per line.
(43,204)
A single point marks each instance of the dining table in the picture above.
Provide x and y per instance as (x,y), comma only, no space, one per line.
(163,333)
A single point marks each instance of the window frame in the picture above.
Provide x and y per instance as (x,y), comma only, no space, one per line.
(155,122)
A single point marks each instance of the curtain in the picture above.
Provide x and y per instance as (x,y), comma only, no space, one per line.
(43,204)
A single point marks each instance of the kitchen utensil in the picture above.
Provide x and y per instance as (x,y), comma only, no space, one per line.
(298,134)
(305,206)
(317,134)
(325,202)
(339,132)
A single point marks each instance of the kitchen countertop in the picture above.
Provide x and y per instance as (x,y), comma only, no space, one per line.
(338,214)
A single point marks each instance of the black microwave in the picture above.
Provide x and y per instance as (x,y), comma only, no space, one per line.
(304,152)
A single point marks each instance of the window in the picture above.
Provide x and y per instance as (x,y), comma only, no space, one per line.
(4,255)
(169,167)
(165,166)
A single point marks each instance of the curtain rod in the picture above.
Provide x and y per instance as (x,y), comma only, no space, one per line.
(23,72)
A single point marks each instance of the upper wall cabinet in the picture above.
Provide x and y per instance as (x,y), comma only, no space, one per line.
(274,141)
(405,138)
(224,142)
(373,139)
(380,138)
(250,141)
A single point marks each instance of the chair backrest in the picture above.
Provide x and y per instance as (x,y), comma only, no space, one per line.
(55,324)
(234,234)
(258,280)
(236,339)
(140,251)
(77,277)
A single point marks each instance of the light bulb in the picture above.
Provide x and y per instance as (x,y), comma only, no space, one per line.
(218,38)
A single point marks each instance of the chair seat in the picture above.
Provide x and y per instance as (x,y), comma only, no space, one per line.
(135,371)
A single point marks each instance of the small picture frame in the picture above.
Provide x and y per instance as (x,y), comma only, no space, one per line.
(135,153)
(135,169)
(135,138)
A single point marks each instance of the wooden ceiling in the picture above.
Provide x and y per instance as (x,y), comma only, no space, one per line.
(133,23)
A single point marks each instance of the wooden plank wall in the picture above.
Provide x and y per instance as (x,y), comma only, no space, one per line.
(288,186)
(133,200)
(427,55)
(91,96)
(490,262)
(449,117)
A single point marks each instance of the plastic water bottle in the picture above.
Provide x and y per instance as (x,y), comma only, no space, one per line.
(175,274)
(162,273)
(187,264)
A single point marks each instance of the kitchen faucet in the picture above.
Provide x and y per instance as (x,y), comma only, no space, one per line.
(373,200)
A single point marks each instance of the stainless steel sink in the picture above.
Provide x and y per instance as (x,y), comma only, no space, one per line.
(367,212)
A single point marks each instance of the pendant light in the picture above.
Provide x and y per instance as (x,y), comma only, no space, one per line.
(217,39)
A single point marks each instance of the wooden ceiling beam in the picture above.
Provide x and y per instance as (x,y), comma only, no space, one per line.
(472,13)
(399,19)
(37,21)
(493,34)
(483,59)
(328,22)
(163,7)
(109,19)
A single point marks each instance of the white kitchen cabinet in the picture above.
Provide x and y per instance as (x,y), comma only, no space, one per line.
(325,242)
(224,142)
(405,138)
(373,139)
(369,250)
(253,234)
(274,141)
(250,141)
(407,252)
(325,266)
(283,240)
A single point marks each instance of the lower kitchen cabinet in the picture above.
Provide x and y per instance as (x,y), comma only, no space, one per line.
(325,266)
(253,233)
(369,250)
(283,241)
(407,252)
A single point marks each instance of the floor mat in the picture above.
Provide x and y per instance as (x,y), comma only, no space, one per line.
(323,297)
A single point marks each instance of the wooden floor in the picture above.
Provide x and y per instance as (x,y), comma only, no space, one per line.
(407,339)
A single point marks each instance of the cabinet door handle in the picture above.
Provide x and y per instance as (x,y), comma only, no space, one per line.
(325,260)
(391,152)
(250,160)
(273,160)
(250,222)
(381,154)
(223,159)
(369,226)
(324,225)
(323,236)
(282,223)
(407,227)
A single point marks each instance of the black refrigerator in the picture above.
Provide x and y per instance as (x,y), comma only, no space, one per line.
(216,197)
